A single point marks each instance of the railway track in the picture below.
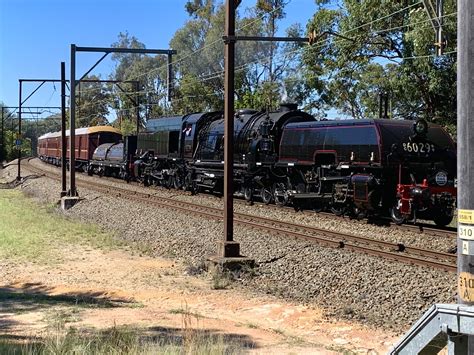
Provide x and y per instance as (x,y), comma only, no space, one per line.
(429,229)
(422,228)
(393,251)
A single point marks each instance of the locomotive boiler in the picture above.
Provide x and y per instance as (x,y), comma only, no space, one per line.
(257,137)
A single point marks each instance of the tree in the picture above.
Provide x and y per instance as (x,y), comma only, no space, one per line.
(367,47)
(287,82)
(201,57)
(151,74)
(270,11)
(92,103)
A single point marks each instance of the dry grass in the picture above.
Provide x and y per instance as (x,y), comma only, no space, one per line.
(36,233)
(61,340)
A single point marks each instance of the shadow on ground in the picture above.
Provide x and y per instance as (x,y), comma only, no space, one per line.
(178,336)
(32,297)
(124,340)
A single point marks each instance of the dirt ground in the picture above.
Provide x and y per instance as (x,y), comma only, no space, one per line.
(156,293)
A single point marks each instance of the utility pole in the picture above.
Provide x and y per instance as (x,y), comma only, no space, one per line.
(72,194)
(18,177)
(63,130)
(228,251)
(72,126)
(229,248)
(2,152)
(465,164)
(440,42)
(435,14)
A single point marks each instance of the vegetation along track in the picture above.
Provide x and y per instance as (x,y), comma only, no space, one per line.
(388,250)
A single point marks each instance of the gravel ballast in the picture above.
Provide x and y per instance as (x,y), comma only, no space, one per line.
(345,284)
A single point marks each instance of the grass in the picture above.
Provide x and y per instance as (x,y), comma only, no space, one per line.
(341,350)
(31,300)
(221,279)
(251,325)
(33,232)
(123,340)
(59,318)
(36,233)
(185,312)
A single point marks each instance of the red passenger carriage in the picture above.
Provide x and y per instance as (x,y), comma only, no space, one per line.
(87,140)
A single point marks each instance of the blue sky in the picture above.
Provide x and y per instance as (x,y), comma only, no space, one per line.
(35,36)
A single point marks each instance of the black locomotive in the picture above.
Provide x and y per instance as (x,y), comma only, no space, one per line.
(370,167)
(256,150)
(404,169)
(166,149)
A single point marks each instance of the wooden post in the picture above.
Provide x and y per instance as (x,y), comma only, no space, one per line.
(465,162)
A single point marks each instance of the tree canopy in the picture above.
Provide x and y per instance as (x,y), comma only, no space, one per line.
(371,47)
(362,49)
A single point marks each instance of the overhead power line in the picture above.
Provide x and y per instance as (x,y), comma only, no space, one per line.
(177,61)
(217,74)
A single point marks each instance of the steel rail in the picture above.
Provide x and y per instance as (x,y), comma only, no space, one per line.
(420,228)
(387,250)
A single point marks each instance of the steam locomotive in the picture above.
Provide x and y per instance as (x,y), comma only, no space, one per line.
(359,168)
(368,167)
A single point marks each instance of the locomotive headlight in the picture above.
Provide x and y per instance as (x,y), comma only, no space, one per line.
(416,191)
(420,127)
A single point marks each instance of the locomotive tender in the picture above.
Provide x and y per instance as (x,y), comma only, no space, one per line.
(114,159)
(360,168)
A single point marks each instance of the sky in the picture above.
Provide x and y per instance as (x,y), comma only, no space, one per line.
(35,36)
